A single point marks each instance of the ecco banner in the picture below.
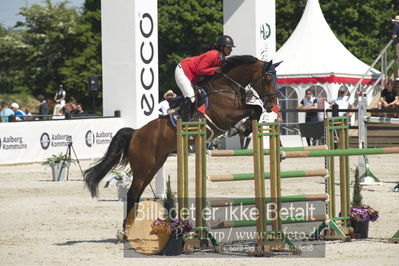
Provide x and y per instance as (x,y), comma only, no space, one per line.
(146,43)
(129,38)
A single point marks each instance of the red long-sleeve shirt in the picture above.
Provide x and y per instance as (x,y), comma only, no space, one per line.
(202,65)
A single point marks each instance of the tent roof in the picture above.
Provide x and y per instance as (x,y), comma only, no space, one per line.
(313,54)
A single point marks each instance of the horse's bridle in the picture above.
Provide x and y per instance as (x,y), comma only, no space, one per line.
(262,76)
(274,78)
(246,90)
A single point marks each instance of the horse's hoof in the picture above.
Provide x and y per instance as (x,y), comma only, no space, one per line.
(121,236)
(233,131)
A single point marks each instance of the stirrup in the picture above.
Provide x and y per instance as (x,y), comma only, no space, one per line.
(173,111)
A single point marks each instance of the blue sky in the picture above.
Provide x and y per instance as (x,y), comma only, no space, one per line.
(10,8)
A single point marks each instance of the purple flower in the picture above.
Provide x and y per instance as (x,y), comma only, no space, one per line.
(180,227)
(177,227)
(160,226)
(364,214)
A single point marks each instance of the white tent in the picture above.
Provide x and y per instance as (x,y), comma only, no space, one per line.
(313,56)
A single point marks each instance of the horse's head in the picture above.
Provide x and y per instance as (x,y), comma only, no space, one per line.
(265,83)
(260,75)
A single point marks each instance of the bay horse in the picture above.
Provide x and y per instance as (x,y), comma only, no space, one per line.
(147,148)
(69,106)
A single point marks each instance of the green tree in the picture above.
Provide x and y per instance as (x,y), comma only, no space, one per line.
(13,52)
(48,40)
(288,14)
(56,44)
(364,27)
(85,59)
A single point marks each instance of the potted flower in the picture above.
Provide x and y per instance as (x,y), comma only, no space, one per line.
(122,180)
(162,229)
(179,229)
(176,231)
(360,218)
(170,232)
(361,215)
(59,164)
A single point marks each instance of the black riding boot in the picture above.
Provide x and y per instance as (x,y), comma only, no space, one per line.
(185,109)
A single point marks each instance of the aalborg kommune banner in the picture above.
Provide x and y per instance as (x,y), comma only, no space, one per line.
(25,142)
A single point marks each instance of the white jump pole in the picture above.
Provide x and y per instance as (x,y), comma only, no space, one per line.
(367,178)
(384,120)
(365,174)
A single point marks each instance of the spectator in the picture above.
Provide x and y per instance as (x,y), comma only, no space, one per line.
(395,37)
(59,97)
(27,112)
(79,111)
(19,115)
(343,101)
(12,118)
(43,108)
(389,97)
(309,102)
(6,112)
(164,105)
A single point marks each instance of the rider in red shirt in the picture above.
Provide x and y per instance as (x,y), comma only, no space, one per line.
(190,70)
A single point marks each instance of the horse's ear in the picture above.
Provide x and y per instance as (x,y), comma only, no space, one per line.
(276,64)
(268,66)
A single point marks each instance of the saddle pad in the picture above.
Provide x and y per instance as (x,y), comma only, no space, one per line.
(200,110)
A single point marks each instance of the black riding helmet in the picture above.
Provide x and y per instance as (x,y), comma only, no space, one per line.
(225,40)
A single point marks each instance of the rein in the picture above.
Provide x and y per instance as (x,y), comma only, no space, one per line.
(274,78)
(212,90)
(236,89)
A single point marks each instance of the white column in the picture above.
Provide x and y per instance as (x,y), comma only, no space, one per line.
(252,25)
(160,184)
(130,63)
(130,59)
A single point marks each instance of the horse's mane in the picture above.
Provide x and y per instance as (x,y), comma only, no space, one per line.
(233,61)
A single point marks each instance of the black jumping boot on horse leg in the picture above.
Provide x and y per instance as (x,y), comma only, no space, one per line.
(185,109)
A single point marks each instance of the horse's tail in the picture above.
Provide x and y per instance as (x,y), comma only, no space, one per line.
(116,155)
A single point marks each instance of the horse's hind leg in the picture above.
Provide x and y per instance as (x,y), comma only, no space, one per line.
(155,170)
(143,172)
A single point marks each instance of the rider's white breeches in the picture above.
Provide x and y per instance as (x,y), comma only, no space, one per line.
(184,83)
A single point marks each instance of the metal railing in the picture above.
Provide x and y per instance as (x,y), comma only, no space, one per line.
(68,116)
(385,66)
(362,93)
